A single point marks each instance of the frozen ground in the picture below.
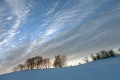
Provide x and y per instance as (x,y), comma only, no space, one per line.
(104,69)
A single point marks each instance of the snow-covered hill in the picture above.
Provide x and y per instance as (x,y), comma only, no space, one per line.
(104,69)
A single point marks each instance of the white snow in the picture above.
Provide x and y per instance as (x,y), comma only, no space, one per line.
(104,69)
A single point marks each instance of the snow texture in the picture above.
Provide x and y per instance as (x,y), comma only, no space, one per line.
(104,69)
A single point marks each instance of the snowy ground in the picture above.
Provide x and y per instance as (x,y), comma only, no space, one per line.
(104,69)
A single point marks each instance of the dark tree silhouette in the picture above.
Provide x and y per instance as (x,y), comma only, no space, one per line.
(46,63)
(60,61)
(38,61)
(85,59)
(112,53)
(30,63)
(97,55)
(104,54)
(93,57)
(21,67)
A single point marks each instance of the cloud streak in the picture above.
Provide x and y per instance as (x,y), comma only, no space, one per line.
(20,14)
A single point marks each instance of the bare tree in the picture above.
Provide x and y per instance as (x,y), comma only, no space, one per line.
(112,53)
(46,63)
(93,57)
(104,54)
(99,55)
(60,61)
(85,59)
(21,67)
(30,63)
(38,62)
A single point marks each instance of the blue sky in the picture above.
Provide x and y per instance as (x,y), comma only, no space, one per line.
(74,28)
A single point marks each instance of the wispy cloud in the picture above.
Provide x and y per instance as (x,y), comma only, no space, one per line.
(20,13)
(50,11)
(9,18)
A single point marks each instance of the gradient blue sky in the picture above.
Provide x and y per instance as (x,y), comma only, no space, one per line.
(74,28)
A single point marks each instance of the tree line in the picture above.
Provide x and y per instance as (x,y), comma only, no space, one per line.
(39,62)
(100,55)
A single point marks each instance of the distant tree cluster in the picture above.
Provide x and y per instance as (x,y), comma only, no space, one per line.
(102,54)
(60,61)
(39,63)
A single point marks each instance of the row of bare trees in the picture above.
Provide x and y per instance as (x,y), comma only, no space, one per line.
(60,61)
(100,55)
(103,54)
(39,63)
(34,63)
